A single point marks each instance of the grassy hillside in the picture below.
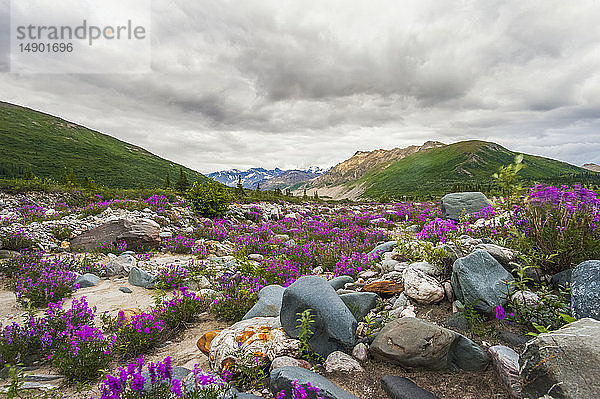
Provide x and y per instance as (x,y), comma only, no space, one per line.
(51,146)
(464,165)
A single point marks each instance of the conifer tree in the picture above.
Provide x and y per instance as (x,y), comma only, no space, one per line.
(182,183)
(167,184)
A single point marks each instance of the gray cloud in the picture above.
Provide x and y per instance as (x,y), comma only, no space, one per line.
(288,83)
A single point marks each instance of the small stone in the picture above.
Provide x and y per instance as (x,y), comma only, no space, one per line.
(256,257)
(340,362)
(87,280)
(367,274)
(125,290)
(360,352)
(526,298)
(384,287)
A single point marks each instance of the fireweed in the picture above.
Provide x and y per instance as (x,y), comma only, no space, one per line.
(65,338)
(171,276)
(138,333)
(38,280)
(130,381)
(183,307)
(559,227)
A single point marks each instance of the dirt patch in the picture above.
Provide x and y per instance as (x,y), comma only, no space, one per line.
(482,384)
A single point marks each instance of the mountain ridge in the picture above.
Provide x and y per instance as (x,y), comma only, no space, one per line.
(435,168)
(51,146)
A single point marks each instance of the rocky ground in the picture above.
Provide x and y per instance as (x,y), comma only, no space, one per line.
(393,317)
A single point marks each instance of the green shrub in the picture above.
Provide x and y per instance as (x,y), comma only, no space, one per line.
(62,233)
(210,199)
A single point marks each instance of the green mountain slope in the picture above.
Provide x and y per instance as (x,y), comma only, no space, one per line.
(52,146)
(464,165)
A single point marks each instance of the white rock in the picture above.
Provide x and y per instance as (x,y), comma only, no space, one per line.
(340,362)
(360,352)
(409,311)
(526,298)
(422,287)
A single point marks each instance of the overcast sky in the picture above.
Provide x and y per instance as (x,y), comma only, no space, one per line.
(297,83)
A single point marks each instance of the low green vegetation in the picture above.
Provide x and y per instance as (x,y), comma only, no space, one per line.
(38,144)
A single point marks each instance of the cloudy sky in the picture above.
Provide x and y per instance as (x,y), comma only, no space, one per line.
(297,83)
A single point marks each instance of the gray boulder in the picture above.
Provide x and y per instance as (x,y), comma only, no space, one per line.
(339,281)
(334,325)
(381,248)
(414,343)
(142,234)
(360,303)
(87,280)
(564,363)
(268,304)
(454,204)
(120,265)
(585,290)
(562,279)
(283,378)
(403,388)
(141,278)
(479,280)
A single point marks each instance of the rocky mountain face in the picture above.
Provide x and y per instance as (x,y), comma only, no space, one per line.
(591,166)
(363,162)
(267,178)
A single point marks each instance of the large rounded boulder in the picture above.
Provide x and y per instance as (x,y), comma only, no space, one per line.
(414,343)
(479,280)
(333,324)
(455,204)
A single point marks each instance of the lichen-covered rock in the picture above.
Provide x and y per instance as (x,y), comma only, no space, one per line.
(205,340)
(259,337)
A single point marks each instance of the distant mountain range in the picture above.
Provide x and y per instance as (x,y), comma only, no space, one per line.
(52,146)
(591,166)
(434,169)
(268,179)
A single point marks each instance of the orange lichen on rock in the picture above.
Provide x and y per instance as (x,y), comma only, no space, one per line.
(204,341)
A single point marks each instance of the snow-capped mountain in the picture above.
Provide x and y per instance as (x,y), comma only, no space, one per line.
(254,176)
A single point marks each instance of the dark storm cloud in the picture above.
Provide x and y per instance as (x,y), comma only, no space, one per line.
(294,83)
